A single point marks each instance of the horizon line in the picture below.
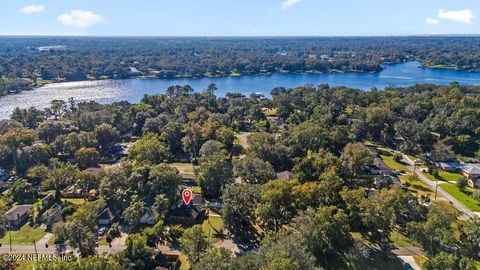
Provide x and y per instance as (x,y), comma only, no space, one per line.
(242,36)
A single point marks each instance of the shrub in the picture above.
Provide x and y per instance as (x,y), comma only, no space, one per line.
(462,183)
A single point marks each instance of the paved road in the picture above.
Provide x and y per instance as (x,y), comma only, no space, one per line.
(410,260)
(458,205)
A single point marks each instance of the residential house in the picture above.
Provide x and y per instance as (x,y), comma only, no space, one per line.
(471,171)
(149,217)
(18,215)
(450,166)
(52,215)
(106,217)
(180,213)
(47,201)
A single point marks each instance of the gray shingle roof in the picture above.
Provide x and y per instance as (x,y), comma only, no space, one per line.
(17,211)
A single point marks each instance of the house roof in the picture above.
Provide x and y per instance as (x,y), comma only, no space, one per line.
(106,214)
(179,209)
(471,169)
(94,170)
(451,164)
(147,215)
(17,211)
(187,175)
(285,175)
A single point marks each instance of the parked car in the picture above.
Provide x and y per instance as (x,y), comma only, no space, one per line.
(102,231)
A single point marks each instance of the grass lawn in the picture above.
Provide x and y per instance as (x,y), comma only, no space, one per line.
(416,187)
(103,241)
(184,264)
(420,259)
(212,226)
(393,164)
(445,176)
(401,240)
(196,189)
(461,196)
(24,236)
(183,167)
(387,157)
(77,201)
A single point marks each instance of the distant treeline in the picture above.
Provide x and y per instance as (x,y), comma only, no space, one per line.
(96,58)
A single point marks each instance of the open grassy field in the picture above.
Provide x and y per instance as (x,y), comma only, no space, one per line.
(24,236)
(462,196)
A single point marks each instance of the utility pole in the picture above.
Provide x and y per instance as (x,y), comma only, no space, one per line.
(10,236)
(35,247)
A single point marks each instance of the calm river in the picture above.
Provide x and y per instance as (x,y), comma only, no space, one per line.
(132,90)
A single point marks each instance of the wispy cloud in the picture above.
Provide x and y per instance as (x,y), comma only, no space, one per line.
(432,21)
(80,18)
(463,16)
(288,3)
(32,9)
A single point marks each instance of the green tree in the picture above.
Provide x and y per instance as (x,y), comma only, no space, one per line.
(276,205)
(133,213)
(354,158)
(226,136)
(106,135)
(470,238)
(441,261)
(137,254)
(313,165)
(48,131)
(22,191)
(215,172)
(81,237)
(215,259)
(85,181)
(210,148)
(163,179)
(239,202)
(436,232)
(149,149)
(193,243)
(253,170)
(87,157)
(326,233)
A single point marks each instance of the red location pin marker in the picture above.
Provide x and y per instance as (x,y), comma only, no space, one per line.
(187,196)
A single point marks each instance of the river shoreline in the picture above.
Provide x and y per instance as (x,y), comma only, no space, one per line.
(133,90)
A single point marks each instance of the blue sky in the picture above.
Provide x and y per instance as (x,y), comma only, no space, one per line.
(238,18)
